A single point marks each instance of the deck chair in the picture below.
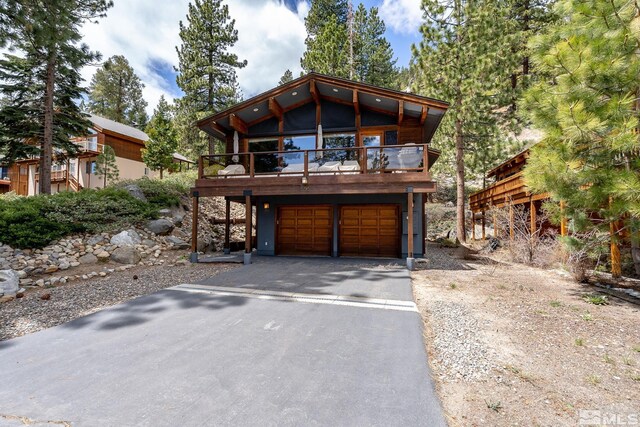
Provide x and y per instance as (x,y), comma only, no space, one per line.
(232,170)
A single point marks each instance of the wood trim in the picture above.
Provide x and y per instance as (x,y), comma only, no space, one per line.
(238,124)
(315,94)
(400,112)
(275,108)
(423,115)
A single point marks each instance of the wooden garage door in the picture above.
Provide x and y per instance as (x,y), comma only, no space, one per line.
(304,230)
(370,230)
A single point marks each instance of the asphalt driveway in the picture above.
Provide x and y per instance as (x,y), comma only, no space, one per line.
(285,341)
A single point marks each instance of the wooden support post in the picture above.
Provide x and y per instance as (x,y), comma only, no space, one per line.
(495,224)
(410,225)
(532,215)
(473,226)
(194,227)
(484,236)
(563,220)
(247,224)
(227,226)
(616,265)
(67,174)
(511,233)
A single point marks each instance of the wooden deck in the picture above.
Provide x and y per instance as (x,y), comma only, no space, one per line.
(354,170)
(511,190)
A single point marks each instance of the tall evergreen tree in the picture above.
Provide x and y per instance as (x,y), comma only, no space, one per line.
(465,59)
(348,46)
(286,78)
(590,113)
(207,70)
(163,139)
(106,166)
(42,82)
(115,93)
(327,52)
(373,56)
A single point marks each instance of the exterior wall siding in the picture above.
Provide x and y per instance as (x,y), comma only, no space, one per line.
(266,218)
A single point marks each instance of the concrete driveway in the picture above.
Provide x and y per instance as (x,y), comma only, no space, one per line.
(285,341)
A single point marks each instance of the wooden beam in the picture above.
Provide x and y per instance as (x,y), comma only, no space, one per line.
(247,225)
(194,225)
(275,108)
(495,224)
(314,92)
(238,124)
(563,220)
(410,225)
(484,221)
(423,115)
(227,225)
(532,216)
(400,112)
(356,102)
(218,128)
(473,226)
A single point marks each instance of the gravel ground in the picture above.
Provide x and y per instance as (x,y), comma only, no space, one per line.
(76,299)
(459,349)
(512,345)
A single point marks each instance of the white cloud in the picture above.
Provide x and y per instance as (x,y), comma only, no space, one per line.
(271,39)
(402,16)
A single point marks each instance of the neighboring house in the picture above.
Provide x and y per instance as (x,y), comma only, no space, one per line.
(333,168)
(77,173)
(508,190)
(5,184)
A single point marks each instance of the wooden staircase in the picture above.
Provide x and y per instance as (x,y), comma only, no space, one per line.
(74,184)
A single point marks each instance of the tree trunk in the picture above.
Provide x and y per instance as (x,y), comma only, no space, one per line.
(161,173)
(212,145)
(460,214)
(46,150)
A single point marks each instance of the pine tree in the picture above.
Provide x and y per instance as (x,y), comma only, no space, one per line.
(327,52)
(115,93)
(286,78)
(589,111)
(465,58)
(207,70)
(106,166)
(42,82)
(373,56)
(321,11)
(163,139)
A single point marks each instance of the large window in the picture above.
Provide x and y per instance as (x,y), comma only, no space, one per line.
(342,140)
(264,162)
(304,142)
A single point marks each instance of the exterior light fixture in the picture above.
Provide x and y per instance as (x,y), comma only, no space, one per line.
(265,205)
(256,109)
(335,90)
(377,99)
(294,93)
(305,181)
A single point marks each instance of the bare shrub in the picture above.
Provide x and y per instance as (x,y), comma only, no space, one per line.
(539,248)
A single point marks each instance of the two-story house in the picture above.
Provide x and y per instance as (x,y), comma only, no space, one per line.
(333,168)
(74,174)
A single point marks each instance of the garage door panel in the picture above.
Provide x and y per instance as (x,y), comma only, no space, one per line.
(370,230)
(304,230)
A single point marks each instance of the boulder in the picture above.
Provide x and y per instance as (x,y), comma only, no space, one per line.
(9,282)
(160,226)
(177,243)
(94,240)
(88,259)
(126,238)
(103,256)
(126,255)
(136,192)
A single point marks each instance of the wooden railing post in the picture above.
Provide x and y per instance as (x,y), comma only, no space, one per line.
(425,159)
(365,158)
(251,165)
(200,167)
(306,164)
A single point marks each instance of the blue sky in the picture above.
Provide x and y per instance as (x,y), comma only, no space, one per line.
(271,38)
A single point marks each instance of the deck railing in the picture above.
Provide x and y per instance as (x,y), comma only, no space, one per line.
(344,160)
(497,193)
(89,144)
(60,175)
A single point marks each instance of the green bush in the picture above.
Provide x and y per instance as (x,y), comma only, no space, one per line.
(164,192)
(23,224)
(33,222)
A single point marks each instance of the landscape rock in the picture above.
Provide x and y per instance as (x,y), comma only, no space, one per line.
(87,259)
(126,255)
(160,226)
(103,256)
(136,192)
(177,243)
(126,238)
(9,282)
(94,240)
